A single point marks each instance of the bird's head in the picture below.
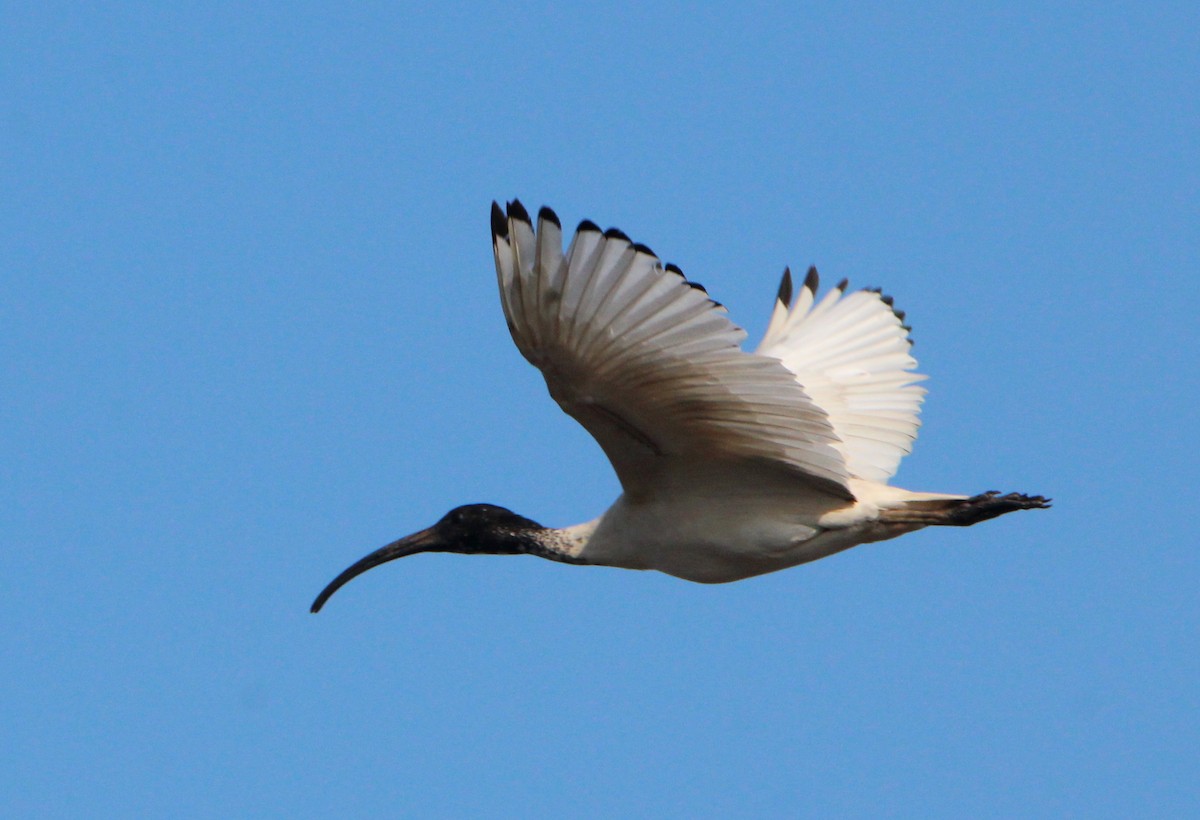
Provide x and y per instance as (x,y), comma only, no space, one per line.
(471,529)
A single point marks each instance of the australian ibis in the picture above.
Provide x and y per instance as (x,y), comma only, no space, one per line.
(731,463)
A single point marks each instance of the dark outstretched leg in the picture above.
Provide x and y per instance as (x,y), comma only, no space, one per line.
(962,512)
(991,504)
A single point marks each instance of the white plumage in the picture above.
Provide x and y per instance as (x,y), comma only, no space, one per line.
(851,354)
(731,463)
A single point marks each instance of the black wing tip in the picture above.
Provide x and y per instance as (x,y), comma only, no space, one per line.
(785,288)
(546,214)
(812,279)
(616,233)
(499,222)
(517,211)
(883,297)
(671,267)
(890,301)
(588,225)
(640,248)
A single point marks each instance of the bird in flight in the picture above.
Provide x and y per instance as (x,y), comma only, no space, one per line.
(732,464)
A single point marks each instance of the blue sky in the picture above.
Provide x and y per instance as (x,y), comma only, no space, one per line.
(249,332)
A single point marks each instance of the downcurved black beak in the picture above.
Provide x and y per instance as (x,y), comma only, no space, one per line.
(423,541)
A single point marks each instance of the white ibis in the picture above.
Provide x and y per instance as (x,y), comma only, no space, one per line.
(732,464)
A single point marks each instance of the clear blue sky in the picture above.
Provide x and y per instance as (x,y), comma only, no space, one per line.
(249,331)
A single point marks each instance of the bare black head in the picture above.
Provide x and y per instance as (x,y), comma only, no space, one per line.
(471,529)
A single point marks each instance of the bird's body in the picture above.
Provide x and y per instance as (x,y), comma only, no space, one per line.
(715,523)
(723,523)
(732,464)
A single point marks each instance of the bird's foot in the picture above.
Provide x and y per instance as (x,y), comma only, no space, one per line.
(990,505)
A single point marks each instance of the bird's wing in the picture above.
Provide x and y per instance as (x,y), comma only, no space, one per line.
(851,351)
(646,362)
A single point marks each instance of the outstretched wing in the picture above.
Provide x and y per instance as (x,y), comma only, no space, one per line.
(646,362)
(851,351)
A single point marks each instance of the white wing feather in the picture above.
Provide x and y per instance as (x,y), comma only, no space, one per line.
(647,363)
(852,354)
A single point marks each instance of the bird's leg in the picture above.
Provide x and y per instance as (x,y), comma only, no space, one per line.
(990,505)
(962,512)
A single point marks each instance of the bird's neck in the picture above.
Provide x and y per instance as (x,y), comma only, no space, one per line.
(564,544)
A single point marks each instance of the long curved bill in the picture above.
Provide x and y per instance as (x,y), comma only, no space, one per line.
(423,541)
